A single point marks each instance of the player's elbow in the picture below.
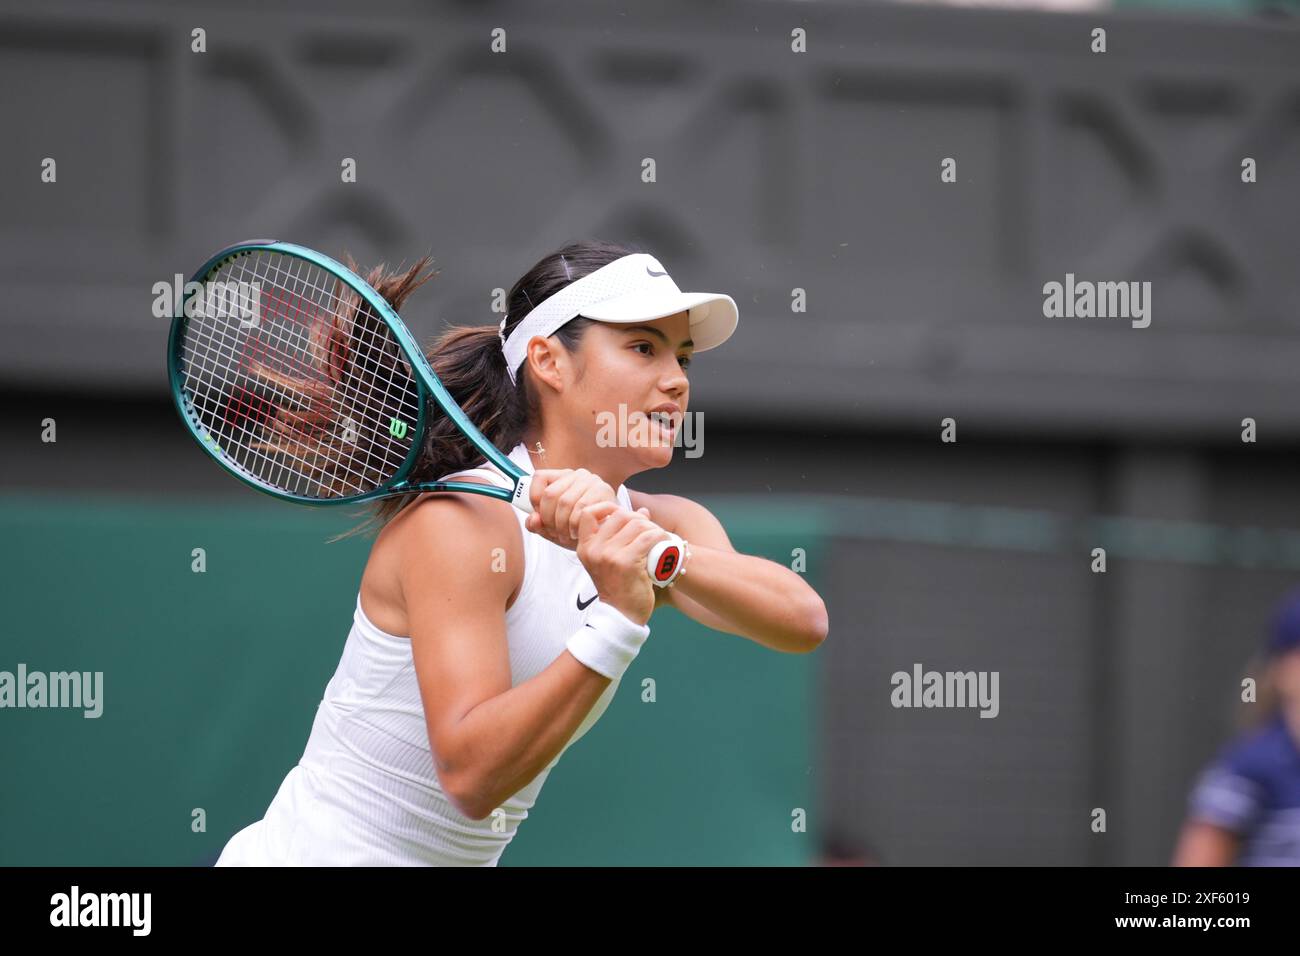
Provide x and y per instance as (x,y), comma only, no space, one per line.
(478,804)
(456,777)
(816,624)
(467,796)
(467,790)
(475,811)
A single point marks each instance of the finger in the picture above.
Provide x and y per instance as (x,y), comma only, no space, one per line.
(541,478)
(635,525)
(637,550)
(574,516)
(592,519)
(570,503)
(613,519)
(593,495)
(642,543)
(535,524)
(550,498)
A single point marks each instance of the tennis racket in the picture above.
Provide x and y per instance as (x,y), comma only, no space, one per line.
(299,379)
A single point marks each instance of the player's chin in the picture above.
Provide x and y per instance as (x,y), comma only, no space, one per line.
(654,453)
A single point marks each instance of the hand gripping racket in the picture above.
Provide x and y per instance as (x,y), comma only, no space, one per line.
(300,379)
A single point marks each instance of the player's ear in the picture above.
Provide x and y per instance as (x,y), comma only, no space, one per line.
(546,359)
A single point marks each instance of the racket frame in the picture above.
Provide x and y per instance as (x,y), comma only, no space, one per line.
(427,386)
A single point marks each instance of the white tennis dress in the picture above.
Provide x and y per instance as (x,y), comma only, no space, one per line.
(365,792)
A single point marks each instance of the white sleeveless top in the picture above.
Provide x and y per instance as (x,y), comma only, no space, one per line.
(365,792)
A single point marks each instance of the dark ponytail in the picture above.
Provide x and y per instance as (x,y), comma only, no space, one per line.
(469,362)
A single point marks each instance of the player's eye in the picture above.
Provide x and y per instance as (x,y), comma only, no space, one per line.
(684,360)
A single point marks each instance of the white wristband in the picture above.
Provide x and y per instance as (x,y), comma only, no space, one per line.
(608,641)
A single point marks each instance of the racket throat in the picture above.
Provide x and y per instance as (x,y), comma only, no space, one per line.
(522,498)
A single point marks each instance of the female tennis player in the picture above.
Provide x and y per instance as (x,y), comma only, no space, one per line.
(485,641)
(1244,809)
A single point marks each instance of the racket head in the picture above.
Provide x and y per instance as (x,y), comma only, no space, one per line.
(302,381)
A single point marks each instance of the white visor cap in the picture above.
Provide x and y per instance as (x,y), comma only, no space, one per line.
(713,315)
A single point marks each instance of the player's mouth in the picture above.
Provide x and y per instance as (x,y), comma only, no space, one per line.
(667,417)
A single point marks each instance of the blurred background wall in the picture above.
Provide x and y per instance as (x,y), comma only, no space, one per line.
(775,171)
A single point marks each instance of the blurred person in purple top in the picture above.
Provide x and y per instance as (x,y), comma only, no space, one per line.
(1244,809)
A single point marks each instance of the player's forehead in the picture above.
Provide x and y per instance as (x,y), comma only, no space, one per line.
(673,331)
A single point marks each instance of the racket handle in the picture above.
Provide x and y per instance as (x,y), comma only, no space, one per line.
(662,563)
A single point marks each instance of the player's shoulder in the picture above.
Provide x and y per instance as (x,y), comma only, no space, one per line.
(457,522)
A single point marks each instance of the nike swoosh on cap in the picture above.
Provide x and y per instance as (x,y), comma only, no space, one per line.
(651,272)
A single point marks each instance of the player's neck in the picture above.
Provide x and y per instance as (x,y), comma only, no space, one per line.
(558,453)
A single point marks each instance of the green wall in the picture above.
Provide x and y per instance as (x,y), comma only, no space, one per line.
(211,682)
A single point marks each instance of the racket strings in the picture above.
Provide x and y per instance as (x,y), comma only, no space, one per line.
(344,459)
(314,397)
(239,409)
